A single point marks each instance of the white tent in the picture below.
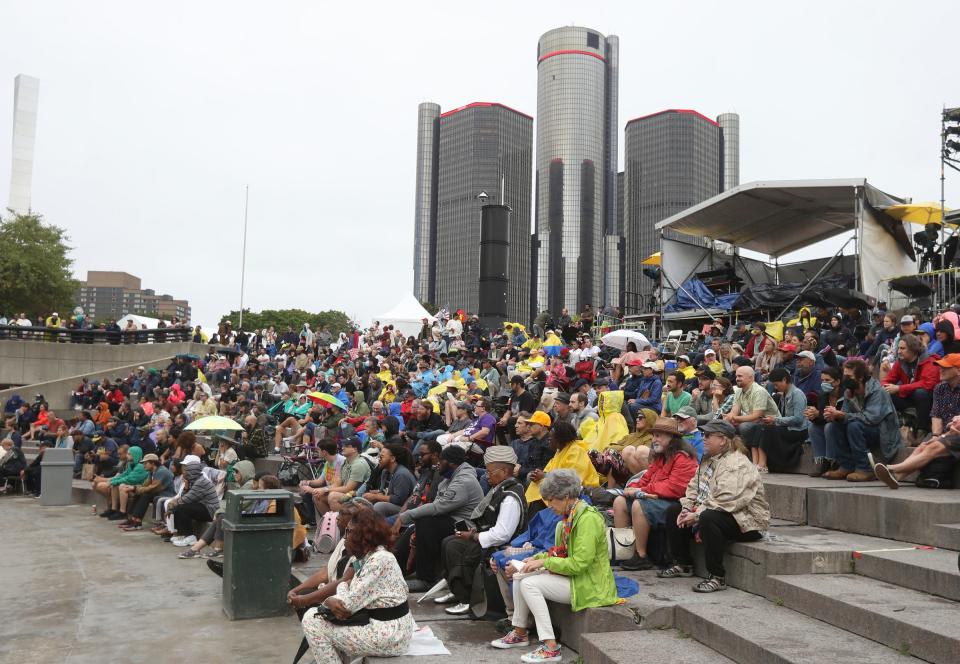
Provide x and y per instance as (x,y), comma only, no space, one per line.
(138,321)
(407,316)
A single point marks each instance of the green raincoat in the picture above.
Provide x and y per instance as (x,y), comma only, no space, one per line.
(135,474)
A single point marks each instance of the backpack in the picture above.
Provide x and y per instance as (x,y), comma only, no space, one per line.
(328,534)
(938,474)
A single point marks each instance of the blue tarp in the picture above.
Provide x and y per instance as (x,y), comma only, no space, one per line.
(704,297)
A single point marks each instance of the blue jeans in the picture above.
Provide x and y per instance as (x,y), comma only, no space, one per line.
(819,445)
(851,440)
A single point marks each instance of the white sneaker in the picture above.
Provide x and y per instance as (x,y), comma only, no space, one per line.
(458,609)
(189,540)
(445,599)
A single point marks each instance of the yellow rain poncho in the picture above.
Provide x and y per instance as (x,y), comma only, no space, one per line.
(611,427)
(807,322)
(574,456)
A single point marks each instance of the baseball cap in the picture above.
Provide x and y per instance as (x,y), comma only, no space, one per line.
(540,418)
(635,362)
(353,441)
(563,397)
(788,348)
(719,426)
(650,365)
(706,372)
(951,360)
(190,458)
(685,358)
(150,457)
(465,405)
(709,351)
(685,413)
(907,319)
(806,354)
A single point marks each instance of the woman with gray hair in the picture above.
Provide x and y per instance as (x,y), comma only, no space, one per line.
(575,571)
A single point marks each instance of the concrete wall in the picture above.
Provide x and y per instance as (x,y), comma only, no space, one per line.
(57,392)
(29,362)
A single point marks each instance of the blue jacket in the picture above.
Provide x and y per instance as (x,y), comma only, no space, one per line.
(877,411)
(795,403)
(637,385)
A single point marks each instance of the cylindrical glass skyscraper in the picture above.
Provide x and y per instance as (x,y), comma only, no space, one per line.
(425,204)
(576,164)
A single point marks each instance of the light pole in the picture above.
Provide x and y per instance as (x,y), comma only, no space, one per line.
(243,260)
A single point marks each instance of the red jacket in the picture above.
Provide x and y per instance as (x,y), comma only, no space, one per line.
(669,479)
(925,377)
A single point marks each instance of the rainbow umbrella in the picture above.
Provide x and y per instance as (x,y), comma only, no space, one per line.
(323,397)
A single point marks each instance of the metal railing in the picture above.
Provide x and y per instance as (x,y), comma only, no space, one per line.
(927,292)
(95,336)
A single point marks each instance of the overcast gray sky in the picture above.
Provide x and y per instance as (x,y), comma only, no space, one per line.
(153,117)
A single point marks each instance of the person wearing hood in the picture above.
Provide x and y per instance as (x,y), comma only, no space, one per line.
(928,335)
(611,427)
(198,502)
(458,494)
(583,413)
(133,475)
(243,473)
(568,452)
(911,379)
(946,335)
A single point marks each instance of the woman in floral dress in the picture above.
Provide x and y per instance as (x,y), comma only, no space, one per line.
(378,586)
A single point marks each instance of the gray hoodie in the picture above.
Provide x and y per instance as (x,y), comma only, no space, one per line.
(201,489)
(456,497)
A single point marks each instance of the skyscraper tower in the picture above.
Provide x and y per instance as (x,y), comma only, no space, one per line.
(576,162)
(482,147)
(26,97)
(673,160)
(425,203)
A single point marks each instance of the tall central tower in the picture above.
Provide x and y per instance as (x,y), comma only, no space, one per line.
(577,72)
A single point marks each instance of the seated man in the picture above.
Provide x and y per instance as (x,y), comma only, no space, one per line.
(479,434)
(687,419)
(396,481)
(533,446)
(457,495)
(702,397)
(496,520)
(643,389)
(750,405)
(784,434)
(911,379)
(866,418)
(133,474)
(676,397)
(424,424)
(353,474)
(946,409)
(158,484)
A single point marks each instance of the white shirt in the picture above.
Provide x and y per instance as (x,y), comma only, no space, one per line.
(508,518)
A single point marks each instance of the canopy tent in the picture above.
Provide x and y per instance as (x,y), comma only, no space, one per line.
(407,316)
(779,217)
(138,321)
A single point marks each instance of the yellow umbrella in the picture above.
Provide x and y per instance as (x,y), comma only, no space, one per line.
(652,259)
(916,213)
(213,423)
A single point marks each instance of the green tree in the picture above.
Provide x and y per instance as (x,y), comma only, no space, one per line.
(335,321)
(35,267)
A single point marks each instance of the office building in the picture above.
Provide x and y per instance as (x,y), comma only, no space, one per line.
(673,159)
(26,99)
(481,147)
(111,295)
(576,165)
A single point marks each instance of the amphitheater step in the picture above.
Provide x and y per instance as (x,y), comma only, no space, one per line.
(752,630)
(906,620)
(923,569)
(647,645)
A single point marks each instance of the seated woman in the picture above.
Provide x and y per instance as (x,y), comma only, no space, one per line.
(12,463)
(568,452)
(244,477)
(377,588)
(724,499)
(645,500)
(578,569)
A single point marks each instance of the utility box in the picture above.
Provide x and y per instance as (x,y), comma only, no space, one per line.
(56,476)
(257,549)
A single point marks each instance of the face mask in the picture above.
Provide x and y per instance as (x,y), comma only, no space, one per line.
(826,388)
(850,384)
(655,447)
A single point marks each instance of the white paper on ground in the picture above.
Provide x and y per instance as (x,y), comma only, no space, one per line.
(425,643)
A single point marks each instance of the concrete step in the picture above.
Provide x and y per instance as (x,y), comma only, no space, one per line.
(787,493)
(906,620)
(805,465)
(932,571)
(751,630)
(647,645)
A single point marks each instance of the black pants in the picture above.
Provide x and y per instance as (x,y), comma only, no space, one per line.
(31,479)
(922,401)
(140,505)
(185,515)
(430,531)
(716,528)
(783,446)
(460,561)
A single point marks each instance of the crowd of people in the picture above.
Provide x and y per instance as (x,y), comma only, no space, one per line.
(486,466)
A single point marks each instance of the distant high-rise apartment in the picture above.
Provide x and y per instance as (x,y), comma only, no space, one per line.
(109,295)
(476,148)
(26,99)
(673,160)
(576,162)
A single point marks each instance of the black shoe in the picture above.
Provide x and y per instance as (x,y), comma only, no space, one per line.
(504,625)
(216,567)
(637,563)
(819,468)
(107,514)
(116,516)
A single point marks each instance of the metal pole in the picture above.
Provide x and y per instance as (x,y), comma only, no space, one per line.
(943,195)
(826,266)
(243,260)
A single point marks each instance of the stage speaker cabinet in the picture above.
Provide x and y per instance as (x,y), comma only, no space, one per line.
(494,262)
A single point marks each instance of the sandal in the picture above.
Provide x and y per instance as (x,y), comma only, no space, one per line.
(676,571)
(190,553)
(711,585)
(215,553)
